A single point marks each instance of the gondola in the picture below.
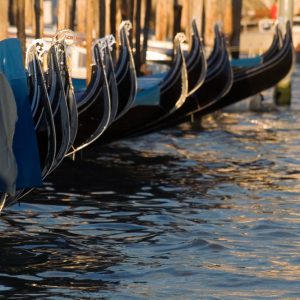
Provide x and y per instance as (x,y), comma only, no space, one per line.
(124,75)
(31,165)
(156,98)
(251,81)
(217,83)
(44,121)
(107,47)
(98,103)
(241,63)
(60,43)
(42,117)
(55,89)
(195,63)
(125,72)
(205,101)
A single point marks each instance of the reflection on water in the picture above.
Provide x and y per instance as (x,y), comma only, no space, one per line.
(180,214)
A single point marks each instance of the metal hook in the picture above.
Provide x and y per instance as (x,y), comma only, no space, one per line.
(126,25)
(64,36)
(110,40)
(37,46)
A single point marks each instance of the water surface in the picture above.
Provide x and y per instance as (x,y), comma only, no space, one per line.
(185,213)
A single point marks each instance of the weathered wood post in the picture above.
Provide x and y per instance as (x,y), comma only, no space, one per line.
(211,17)
(127,13)
(61,14)
(81,15)
(283,90)
(137,56)
(39,18)
(113,13)
(4,20)
(89,36)
(236,30)
(72,8)
(102,18)
(161,20)
(65,14)
(197,13)
(30,15)
(146,30)
(21,24)
(186,18)
(177,17)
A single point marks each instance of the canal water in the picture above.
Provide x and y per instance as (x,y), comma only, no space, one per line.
(186,213)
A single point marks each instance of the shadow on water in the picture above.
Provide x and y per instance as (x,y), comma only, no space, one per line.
(192,212)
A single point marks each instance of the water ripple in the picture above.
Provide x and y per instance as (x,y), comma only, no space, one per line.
(185,213)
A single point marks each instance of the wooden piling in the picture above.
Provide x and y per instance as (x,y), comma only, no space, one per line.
(21,24)
(177,18)
(217,12)
(112,18)
(107,17)
(283,90)
(72,12)
(39,18)
(61,15)
(186,18)
(12,12)
(210,20)
(161,20)
(4,19)
(81,15)
(131,15)
(30,15)
(197,13)
(64,14)
(146,30)
(102,14)
(113,12)
(227,19)
(89,35)
(235,39)
(137,56)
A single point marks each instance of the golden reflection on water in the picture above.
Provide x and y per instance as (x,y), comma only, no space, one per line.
(212,212)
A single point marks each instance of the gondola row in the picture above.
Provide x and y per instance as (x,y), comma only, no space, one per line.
(66,115)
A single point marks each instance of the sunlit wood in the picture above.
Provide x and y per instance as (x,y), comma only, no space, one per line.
(4,19)
(89,35)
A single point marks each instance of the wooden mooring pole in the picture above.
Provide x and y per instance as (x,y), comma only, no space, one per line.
(283,90)
(137,56)
(4,20)
(177,18)
(20,20)
(39,18)
(146,30)
(102,18)
(236,28)
(73,15)
(89,36)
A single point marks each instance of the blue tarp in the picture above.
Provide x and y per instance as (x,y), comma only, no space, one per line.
(148,91)
(247,62)
(24,143)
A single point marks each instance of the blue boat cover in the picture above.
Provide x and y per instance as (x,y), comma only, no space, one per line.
(148,89)
(79,83)
(148,92)
(246,62)
(24,142)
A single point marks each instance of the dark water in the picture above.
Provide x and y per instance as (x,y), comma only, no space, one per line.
(181,214)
